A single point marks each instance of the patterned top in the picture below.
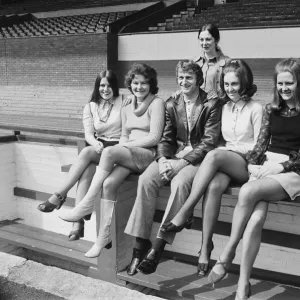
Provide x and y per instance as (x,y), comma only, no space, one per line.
(257,155)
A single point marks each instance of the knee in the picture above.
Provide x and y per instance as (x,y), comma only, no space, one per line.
(108,152)
(247,195)
(87,153)
(214,156)
(216,187)
(109,185)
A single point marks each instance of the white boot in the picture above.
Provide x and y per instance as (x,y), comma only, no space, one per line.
(86,205)
(104,237)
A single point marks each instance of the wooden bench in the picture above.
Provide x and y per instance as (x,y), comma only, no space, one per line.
(177,269)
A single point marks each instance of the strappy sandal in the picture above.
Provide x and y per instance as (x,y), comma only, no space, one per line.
(47,206)
(214,277)
(202,268)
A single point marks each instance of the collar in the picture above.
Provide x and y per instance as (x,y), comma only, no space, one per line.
(202,98)
(240,104)
(219,58)
(110,101)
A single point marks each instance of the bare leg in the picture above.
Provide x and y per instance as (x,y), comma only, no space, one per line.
(86,156)
(83,185)
(228,162)
(210,212)
(110,156)
(251,245)
(250,194)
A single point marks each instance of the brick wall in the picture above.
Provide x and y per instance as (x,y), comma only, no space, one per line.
(56,61)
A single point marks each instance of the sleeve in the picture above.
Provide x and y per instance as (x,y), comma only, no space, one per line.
(256,121)
(256,156)
(125,134)
(211,135)
(167,146)
(87,119)
(293,164)
(157,120)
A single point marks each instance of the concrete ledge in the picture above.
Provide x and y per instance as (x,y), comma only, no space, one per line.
(63,283)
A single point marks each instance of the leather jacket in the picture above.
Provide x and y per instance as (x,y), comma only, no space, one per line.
(205,129)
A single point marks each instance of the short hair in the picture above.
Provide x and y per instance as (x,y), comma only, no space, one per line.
(112,80)
(243,72)
(291,65)
(145,70)
(191,67)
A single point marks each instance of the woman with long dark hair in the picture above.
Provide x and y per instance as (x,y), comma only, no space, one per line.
(102,128)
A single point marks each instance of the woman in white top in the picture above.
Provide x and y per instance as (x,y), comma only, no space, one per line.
(240,125)
(142,126)
(102,128)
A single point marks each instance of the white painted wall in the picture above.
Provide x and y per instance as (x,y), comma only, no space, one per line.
(246,43)
(7,181)
(39,168)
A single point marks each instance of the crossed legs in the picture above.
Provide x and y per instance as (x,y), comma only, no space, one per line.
(227,162)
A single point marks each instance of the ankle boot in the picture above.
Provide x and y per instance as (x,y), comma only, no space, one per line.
(86,205)
(104,237)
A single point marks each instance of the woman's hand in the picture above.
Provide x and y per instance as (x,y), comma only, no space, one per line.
(128,100)
(254,169)
(269,169)
(98,146)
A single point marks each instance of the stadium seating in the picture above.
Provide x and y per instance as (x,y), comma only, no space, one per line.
(250,13)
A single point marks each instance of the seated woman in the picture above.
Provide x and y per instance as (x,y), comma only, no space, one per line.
(276,179)
(102,128)
(240,125)
(142,126)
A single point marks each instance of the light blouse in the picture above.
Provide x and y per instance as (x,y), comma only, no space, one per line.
(109,129)
(240,125)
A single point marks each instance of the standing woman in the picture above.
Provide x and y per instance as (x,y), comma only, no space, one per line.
(102,128)
(240,126)
(211,60)
(142,126)
(277,179)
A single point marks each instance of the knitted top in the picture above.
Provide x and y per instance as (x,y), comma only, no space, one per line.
(143,128)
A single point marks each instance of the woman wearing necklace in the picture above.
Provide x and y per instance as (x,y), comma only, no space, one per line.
(102,128)
(142,126)
(240,125)
(278,178)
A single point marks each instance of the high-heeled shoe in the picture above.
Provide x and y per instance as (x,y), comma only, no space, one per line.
(47,206)
(170,227)
(202,268)
(78,233)
(245,297)
(214,277)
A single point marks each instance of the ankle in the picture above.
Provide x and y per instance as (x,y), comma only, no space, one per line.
(142,244)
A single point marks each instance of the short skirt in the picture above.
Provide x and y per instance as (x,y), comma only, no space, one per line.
(290,181)
(142,157)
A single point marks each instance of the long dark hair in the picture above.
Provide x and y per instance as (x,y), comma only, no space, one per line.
(291,65)
(112,80)
(243,72)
